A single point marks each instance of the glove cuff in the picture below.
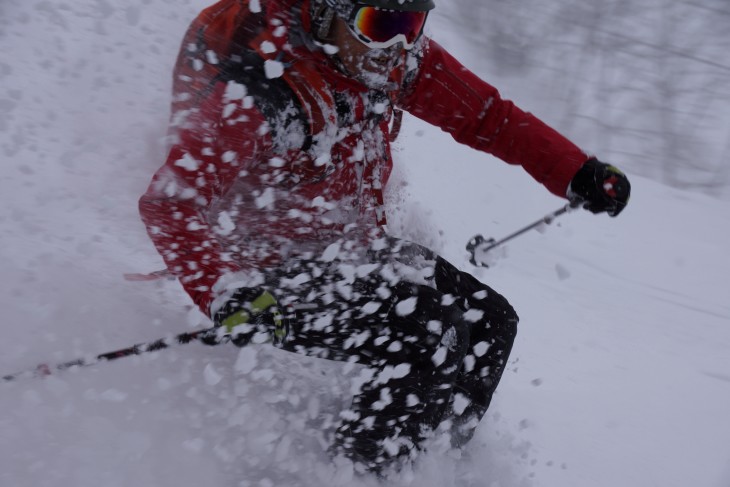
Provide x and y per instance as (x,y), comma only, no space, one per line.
(252,314)
(583,182)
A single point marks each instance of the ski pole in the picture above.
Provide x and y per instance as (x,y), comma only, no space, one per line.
(43,370)
(478,246)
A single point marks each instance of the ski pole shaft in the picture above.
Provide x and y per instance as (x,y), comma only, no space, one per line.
(181,339)
(478,246)
(546,220)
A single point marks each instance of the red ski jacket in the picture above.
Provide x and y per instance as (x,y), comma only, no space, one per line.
(280,152)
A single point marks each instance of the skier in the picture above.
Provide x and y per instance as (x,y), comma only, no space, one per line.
(269,208)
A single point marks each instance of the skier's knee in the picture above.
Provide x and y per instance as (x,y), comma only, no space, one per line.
(452,332)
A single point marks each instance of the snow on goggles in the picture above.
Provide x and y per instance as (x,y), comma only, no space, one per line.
(379,28)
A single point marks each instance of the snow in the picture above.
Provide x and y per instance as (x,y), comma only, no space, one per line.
(406,306)
(620,374)
(273,69)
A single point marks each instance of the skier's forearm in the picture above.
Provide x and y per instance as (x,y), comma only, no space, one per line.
(183,239)
(449,96)
(199,169)
(550,158)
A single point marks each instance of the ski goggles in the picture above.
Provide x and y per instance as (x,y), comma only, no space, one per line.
(379,28)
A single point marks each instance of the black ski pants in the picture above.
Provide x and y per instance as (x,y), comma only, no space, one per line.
(435,340)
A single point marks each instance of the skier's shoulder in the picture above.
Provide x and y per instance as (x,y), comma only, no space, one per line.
(224,44)
(272,95)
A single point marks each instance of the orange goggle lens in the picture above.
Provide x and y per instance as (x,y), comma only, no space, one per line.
(379,28)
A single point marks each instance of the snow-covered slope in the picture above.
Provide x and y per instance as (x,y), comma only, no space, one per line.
(620,375)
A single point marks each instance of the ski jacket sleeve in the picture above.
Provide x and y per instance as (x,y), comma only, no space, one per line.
(445,94)
(202,165)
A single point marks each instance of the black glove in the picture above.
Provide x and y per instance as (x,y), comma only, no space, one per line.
(249,313)
(599,187)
